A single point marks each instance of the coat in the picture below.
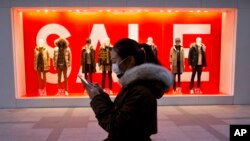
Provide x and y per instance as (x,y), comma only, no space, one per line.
(67,54)
(173,59)
(46,58)
(104,58)
(193,55)
(84,59)
(133,114)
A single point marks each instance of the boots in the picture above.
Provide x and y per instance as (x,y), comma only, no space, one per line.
(40,92)
(59,92)
(66,93)
(178,90)
(44,91)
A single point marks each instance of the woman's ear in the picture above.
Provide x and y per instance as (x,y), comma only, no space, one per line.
(130,62)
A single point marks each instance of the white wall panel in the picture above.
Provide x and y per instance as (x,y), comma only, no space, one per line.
(7,89)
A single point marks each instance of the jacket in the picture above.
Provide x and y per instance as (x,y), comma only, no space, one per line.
(84,59)
(133,114)
(173,59)
(104,58)
(193,55)
(67,54)
(46,58)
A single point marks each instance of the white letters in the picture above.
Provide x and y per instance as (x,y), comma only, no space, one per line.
(99,33)
(133,31)
(239,132)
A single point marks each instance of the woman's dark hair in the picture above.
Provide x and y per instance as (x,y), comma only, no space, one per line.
(141,52)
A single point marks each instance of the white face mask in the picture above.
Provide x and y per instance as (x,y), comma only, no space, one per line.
(116,69)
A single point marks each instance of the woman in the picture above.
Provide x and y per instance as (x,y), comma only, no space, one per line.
(133,114)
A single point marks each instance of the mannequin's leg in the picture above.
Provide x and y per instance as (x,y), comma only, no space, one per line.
(90,73)
(110,82)
(44,83)
(39,74)
(39,79)
(199,71)
(65,80)
(103,76)
(59,80)
(192,80)
(174,84)
(179,80)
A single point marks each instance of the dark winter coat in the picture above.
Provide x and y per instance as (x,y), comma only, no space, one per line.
(193,55)
(133,114)
(84,59)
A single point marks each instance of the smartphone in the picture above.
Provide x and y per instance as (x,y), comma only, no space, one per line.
(85,82)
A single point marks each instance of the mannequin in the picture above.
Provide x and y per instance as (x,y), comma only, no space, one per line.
(152,45)
(41,65)
(197,62)
(88,59)
(62,62)
(105,63)
(177,63)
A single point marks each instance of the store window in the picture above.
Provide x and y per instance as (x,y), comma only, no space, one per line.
(34,26)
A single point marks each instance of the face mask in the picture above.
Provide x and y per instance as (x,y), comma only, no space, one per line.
(116,69)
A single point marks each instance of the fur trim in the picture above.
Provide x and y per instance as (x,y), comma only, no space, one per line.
(61,40)
(147,72)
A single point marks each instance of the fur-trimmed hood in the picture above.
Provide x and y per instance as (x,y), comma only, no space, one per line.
(148,72)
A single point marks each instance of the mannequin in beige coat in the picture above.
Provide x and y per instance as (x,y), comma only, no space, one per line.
(41,65)
(177,63)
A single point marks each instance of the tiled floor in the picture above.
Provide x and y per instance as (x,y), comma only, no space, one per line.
(175,123)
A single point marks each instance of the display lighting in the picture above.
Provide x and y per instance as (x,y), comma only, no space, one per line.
(123,10)
(131,10)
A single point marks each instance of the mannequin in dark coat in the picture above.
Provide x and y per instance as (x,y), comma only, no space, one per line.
(88,59)
(196,61)
(133,114)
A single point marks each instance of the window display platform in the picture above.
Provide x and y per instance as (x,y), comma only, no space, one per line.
(167,99)
(85,95)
